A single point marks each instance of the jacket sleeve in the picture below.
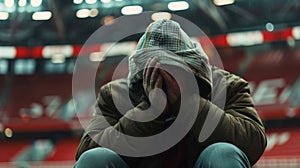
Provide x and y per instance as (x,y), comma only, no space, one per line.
(238,122)
(107,118)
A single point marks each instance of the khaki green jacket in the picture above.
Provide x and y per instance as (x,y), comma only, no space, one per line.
(239,123)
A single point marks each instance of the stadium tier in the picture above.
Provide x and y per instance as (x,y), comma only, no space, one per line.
(273,75)
(282,150)
(35,98)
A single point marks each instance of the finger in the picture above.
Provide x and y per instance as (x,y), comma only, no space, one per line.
(145,68)
(145,72)
(151,65)
(154,75)
(150,70)
(159,81)
(168,78)
(172,88)
(145,77)
(157,98)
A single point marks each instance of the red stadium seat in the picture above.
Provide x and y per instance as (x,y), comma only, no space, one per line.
(282,65)
(64,150)
(37,91)
(232,61)
(282,150)
(10,149)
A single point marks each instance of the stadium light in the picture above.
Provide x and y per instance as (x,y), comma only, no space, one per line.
(43,15)
(291,42)
(22,3)
(269,26)
(296,32)
(93,12)
(132,10)
(4,15)
(223,2)
(107,20)
(36,3)
(105,1)
(97,57)
(9,3)
(58,58)
(8,132)
(3,70)
(90,1)
(161,15)
(245,38)
(77,1)
(83,13)
(8,52)
(179,5)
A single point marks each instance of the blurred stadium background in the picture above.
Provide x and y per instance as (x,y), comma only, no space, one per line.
(41,39)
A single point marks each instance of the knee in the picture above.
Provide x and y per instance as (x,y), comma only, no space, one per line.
(221,150)
(223,155)
(96,157)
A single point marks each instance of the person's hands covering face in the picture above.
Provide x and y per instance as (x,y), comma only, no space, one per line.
(153,82)
(155,77)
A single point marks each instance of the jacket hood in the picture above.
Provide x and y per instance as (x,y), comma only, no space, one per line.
(166,40)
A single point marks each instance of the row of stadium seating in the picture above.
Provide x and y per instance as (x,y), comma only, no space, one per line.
(282,149)
(37,95)
(44,103)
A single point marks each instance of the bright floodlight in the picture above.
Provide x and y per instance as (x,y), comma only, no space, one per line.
(83,13)
(223,2)
(4,15)
(107,20)
(93,12)
(36,3)
(269,26)
(179,5)
(160,15)
(90,1)
(43,15)
(58,58)
(97,56)
(296,32)
(8,132)
(245,38)
(9,3)
(131,10)
(105,1)
(77,1)
(22,3)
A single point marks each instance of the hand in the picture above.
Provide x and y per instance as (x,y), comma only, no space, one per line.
(150,75)
(173,92)
(172,88)
(153,80)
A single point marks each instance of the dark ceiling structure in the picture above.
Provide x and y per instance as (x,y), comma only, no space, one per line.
(65,28)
